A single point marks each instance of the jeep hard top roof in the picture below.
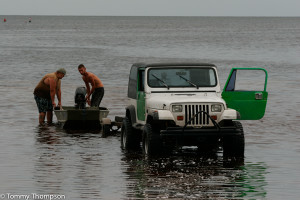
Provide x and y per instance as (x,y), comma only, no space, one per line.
(133,77)
(145,65)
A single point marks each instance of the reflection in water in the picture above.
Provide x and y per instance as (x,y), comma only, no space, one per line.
(252,181)
(67,162)
(48,166)
(47,134)
(72,164)
(190,176)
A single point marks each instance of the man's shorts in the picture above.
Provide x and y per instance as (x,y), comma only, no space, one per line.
(97,97)
(43,105)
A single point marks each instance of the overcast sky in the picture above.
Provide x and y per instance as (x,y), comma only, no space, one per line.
(152,7)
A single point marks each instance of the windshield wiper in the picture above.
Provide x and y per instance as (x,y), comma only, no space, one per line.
(190,82)
(164,83)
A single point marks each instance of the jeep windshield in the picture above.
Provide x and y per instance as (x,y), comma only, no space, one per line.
(182,77)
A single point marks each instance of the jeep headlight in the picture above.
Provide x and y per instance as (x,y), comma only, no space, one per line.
(216,108)
(177,108)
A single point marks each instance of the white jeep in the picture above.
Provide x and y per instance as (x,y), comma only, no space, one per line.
(181,104)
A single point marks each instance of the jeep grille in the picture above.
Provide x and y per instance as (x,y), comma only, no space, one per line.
(200,119)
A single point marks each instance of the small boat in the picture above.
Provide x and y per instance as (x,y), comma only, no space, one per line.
(75,118)
(81,117)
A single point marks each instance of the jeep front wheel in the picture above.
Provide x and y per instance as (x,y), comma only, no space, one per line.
(129,139)
(151,141)
(234,146)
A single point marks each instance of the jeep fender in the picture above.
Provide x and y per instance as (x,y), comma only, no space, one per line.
(230,114)
(161,115)
(130,113)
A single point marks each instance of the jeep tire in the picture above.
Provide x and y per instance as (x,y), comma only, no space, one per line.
(151,141)
(234,146)
(129,139)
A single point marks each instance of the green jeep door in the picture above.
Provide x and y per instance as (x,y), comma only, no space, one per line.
(141,95)
(245,91)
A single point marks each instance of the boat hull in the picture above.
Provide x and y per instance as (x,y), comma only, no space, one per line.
(72,117)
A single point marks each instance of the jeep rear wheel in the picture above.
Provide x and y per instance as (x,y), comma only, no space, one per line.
(129,137)
(151,141)
(234,146)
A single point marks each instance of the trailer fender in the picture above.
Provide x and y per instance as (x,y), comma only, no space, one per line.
(106,121)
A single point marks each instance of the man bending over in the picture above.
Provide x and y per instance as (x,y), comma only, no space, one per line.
(44,94)
(97,90)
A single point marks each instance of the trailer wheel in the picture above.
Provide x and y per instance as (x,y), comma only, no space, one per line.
(234,146)
(129,139)
(105,130)
(151,142)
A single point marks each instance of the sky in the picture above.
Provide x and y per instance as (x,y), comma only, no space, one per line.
(151,7)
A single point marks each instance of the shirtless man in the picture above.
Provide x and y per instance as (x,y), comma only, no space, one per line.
(44,94)
(97,90)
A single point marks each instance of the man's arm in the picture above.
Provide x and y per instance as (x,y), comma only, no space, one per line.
(92,80)
(86,85)
(52,84)
(87,90)
(58,93)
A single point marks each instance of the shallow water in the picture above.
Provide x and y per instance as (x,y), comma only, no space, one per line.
(79,164)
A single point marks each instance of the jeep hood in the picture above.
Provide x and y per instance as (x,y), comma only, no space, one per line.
(163,101)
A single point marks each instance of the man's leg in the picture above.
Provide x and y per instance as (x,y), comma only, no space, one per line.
(42,118)
(41,108)
(49,117)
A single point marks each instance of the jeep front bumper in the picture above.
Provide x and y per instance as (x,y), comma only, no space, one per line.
(199,132)
(197,136)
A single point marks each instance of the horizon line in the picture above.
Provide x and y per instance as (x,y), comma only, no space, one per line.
(54,15)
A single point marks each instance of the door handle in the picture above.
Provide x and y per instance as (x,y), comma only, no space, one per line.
(258,96)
